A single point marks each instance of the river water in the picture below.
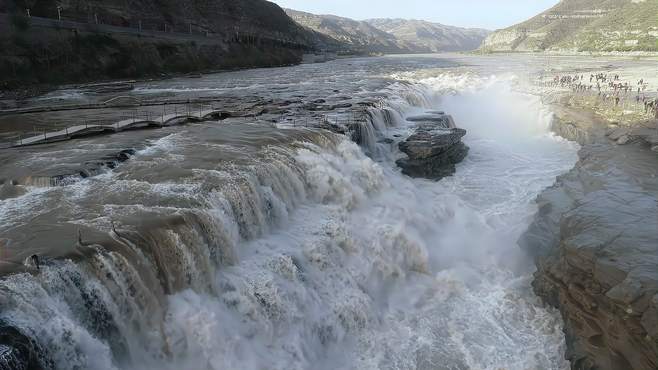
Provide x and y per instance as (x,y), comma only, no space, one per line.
(253,243)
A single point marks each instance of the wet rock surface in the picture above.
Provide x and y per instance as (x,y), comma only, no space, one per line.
(17,351)
(595,241)
(65,174)
(627,135)
(434,148)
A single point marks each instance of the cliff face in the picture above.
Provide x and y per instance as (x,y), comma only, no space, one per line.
(583,25)
(391,35)
(119,39)
(596,245)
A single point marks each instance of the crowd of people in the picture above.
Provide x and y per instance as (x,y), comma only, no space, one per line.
(610,88)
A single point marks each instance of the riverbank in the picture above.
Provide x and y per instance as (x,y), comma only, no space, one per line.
(595,243)
(39,51)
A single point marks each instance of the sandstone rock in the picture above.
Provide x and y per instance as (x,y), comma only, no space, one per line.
(425,144)
(616,134)
(596,249)
(626,292)
(434,149)
(110,161)
(624,140)
(650,319)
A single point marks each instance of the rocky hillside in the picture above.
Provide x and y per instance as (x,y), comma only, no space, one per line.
(584,25)
(354,35)
(111,39)
(431,37)
(214,16)
(391,35)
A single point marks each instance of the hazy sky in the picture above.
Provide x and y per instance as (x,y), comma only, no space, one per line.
(491,14)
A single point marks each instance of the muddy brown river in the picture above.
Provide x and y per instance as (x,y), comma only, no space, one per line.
(266,241)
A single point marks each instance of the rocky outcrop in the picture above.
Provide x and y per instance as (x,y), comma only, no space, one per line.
(627,135)
(434,148)
(595,242)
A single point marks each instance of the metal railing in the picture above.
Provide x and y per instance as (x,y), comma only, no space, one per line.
(125,121)
(177,113)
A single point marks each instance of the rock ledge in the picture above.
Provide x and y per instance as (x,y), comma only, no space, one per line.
(434,148)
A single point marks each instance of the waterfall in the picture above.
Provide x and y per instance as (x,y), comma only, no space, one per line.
(108,310)
(247,247)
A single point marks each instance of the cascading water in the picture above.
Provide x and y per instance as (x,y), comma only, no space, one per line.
(254,248)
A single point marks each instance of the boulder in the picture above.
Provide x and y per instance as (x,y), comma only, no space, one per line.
(433,149)
(617,133)
(625,139)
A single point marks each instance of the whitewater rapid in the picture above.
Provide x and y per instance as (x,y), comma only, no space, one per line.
(308,251)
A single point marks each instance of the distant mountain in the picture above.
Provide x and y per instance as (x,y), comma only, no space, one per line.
(391,35)
(431,37)
(355,35)
(584,25)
